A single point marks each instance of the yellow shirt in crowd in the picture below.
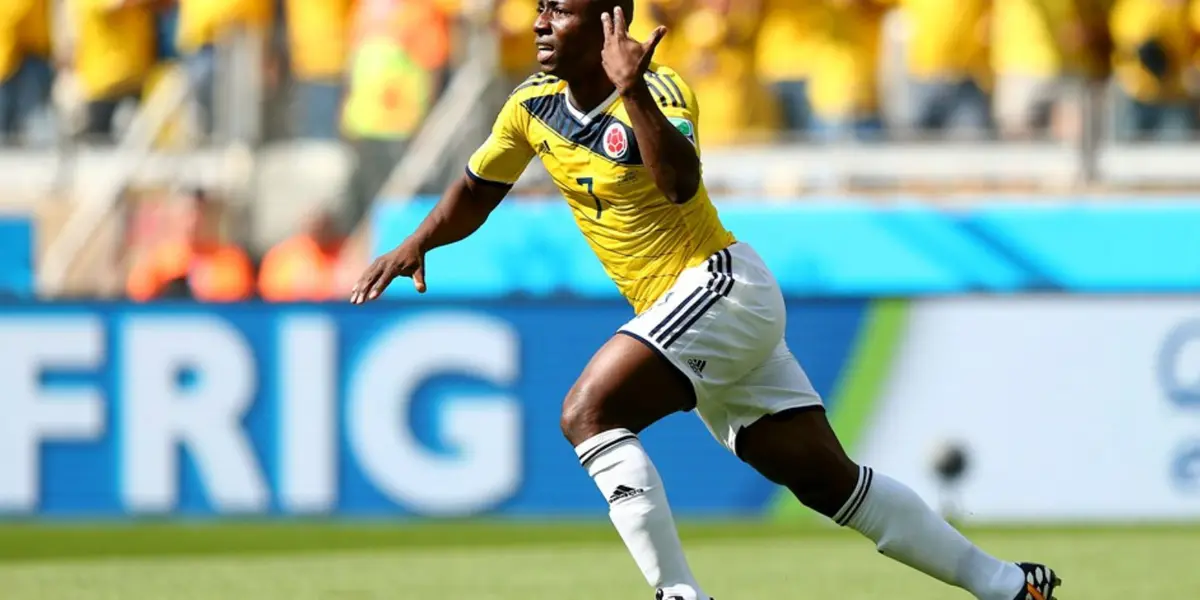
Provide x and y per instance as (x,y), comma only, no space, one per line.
(947,40)
(1134,22)
(401,47)
(790,39)
(845,80)
(114,47)
(716,50)
(24,30)
(514,21)
(1042,38)
(319,37)
(671,50)
(35,31)
(202,21)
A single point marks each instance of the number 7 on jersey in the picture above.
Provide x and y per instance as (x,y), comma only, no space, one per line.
(587,181)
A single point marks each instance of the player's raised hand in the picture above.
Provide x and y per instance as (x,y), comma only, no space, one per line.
(626,59)
(407,260)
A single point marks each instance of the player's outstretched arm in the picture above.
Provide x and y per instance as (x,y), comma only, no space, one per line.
(461,211)
(670,157)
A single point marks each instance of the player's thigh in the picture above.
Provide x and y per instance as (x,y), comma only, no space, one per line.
(777,385)
(627,384)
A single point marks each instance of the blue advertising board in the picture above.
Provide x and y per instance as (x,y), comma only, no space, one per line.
(849,248)
(388,409)
(16,257)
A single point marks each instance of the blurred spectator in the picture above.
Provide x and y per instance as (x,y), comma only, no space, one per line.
(1044,52)
(788,46)
(114,52)
(401,49)
(719,46)
(948,63)
(306,266)
(1154,45)
(318,45)
(649,14)
(202,24)
(844,88)
(199,264)
(514,30)
(25,73)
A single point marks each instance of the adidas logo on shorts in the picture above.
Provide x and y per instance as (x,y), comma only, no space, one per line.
(624,492)
(697,366)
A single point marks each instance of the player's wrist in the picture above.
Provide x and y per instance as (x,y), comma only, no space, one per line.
(636,90)
(419,243)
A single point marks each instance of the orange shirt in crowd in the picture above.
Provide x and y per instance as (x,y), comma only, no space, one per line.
(299,270)
(215,273)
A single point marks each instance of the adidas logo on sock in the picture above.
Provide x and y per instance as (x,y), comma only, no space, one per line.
(697,366)
(624,492)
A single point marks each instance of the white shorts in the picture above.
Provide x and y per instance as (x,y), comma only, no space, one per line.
(722,326)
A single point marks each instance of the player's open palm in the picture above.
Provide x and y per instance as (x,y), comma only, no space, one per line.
(626,59)
(407,260)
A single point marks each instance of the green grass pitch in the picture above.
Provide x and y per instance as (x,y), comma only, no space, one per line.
(541,561)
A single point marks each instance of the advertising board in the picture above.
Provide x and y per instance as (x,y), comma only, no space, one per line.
(381,410)
(1069,408)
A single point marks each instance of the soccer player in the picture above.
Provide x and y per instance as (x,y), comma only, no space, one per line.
(618,135)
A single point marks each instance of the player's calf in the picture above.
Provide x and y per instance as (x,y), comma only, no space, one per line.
(624,389)
(813,466)
(798,449)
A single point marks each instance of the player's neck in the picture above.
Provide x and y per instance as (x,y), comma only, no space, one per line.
(588,92)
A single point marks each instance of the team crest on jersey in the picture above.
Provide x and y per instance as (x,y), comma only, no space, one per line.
(616,141)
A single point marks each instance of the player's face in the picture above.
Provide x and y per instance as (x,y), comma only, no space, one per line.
(569,36)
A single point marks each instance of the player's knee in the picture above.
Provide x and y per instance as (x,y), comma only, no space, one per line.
(581,418)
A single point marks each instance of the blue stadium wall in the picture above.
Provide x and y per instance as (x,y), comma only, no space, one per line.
(845,248)
(447,404)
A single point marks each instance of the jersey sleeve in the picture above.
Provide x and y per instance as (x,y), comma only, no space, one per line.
(676,100)
(506,152)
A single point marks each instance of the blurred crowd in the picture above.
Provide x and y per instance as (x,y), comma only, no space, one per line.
(82,61)
(1000,68)
(369,70)
(181,250)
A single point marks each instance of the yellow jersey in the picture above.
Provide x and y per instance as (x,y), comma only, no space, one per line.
(114,48)
(643,240)
(1135,22)
(949,39)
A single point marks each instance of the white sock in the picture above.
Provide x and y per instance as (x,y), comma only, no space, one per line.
(905,529)
(637,505)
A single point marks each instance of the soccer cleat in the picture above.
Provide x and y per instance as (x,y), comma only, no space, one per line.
(1040,582)
(659,595)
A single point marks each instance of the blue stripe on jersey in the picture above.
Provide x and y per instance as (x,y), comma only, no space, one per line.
(658,93)
(535,79)
(482,181)
(667,82)
(720,283)
(551,110)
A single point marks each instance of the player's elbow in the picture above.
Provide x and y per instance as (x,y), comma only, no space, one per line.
(683,188)
(678,180)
